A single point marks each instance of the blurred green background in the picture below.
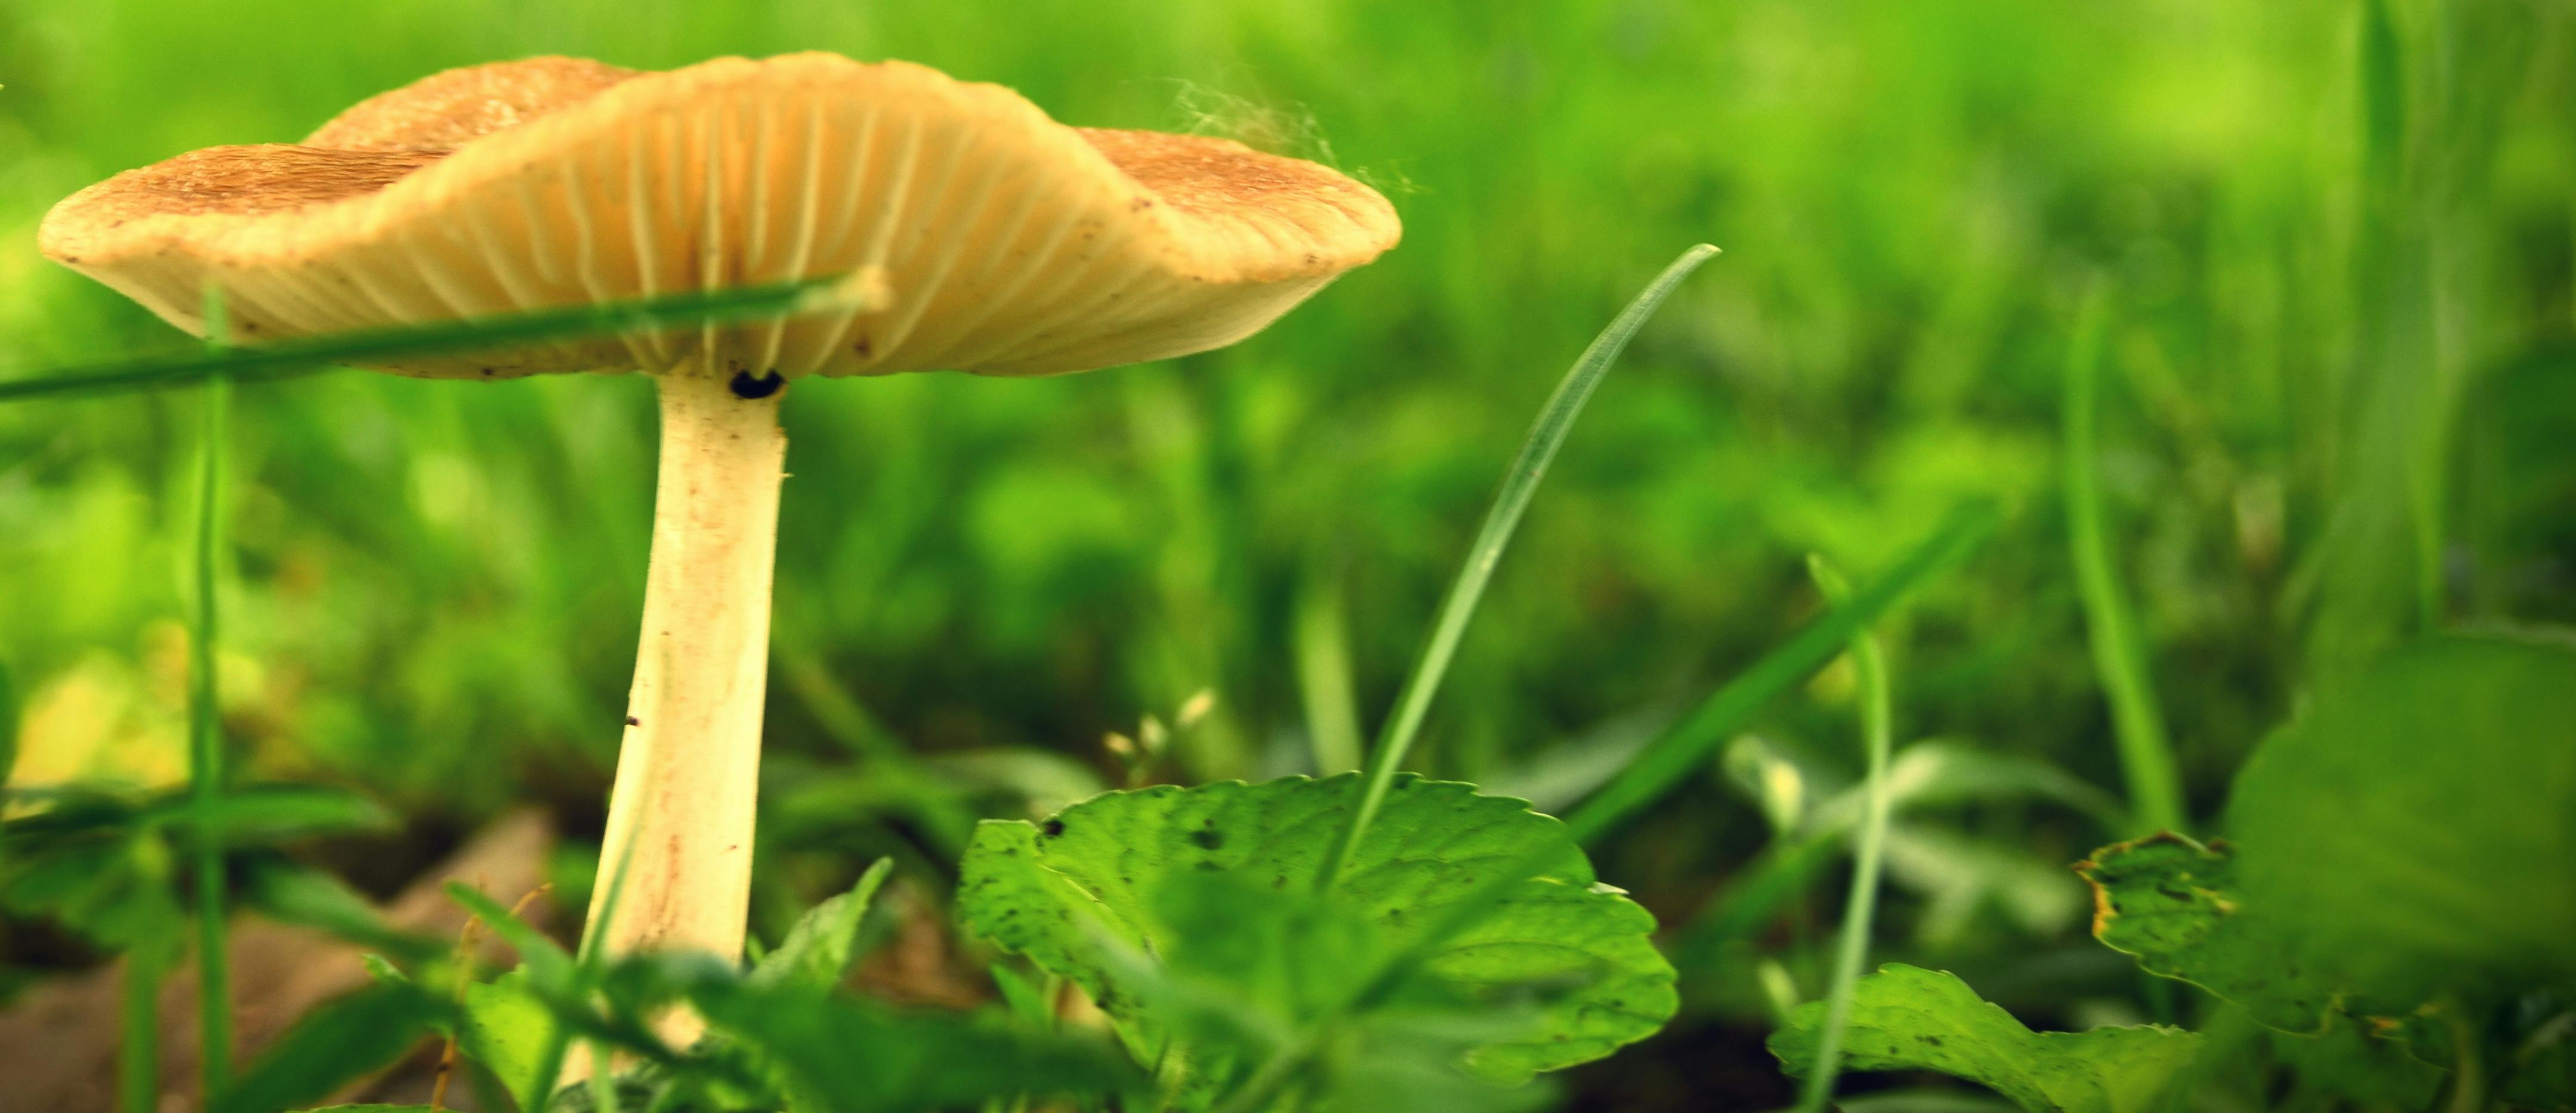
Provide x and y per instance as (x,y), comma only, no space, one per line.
(2334,243)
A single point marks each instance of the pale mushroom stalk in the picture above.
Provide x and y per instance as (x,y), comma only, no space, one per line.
(993,239)
(677,853)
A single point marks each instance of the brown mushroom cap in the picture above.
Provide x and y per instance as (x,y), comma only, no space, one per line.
(1010,244)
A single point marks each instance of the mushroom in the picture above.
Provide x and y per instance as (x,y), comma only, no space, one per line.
(995,240)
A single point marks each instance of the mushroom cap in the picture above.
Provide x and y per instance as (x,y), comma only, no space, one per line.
(1008,244)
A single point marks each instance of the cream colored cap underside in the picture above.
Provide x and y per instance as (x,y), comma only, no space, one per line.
(1009,244)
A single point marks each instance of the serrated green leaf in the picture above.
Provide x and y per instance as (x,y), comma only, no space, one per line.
(331,1047)
(2411,831)
(1064,891)
(2175,904)
(816,953)
(1908,1018)
(1258,975)
(510,1033)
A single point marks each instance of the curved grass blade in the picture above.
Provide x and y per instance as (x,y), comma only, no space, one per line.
(306,356)
(1852,951)
(1686,745)
(1546,435)
(2146,755)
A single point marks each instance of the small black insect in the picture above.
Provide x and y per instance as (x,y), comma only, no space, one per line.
(770,382)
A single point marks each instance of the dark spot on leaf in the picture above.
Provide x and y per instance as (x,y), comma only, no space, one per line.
(1207,840)
(1053,828)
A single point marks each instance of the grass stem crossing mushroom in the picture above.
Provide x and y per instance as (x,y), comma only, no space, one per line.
(992,239)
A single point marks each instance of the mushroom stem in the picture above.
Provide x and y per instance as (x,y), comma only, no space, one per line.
(680,821)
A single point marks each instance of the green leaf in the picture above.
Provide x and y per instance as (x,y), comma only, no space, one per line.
(544,960)
(1908,1018)
(2176,905)
(111,885)
(289,891)
(1262,979)
(264,815)
(816,953)
(512,1034)
(843,1055)
(1069,893)
(2411,831)
(331,1047)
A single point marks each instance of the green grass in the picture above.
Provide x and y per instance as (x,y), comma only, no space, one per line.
(2146,754)
(1869,843)
(2321,408)
(1519,486)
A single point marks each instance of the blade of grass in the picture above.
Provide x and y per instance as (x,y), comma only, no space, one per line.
(138,1056)
(1323,647)
(1672,755)
(1686,745)
(305,356)
(205,735)
(1546,435)
(2146,754)
(1879,737)
(8,727)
